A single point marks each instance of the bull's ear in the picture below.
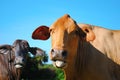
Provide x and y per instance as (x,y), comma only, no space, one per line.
(5,49)
(36,51)
(41,33)
(90,36)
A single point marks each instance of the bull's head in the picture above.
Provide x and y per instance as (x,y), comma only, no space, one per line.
(17,53)
(21,48)
(65,34)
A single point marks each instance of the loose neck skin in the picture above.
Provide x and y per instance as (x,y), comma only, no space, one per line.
(77,62)
(88,64)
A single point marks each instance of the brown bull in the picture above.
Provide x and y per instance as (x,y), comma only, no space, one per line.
(83,51)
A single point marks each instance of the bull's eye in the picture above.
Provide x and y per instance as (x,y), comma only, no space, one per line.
(50,30)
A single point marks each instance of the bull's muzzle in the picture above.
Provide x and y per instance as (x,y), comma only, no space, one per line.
(19,62)
(58,57)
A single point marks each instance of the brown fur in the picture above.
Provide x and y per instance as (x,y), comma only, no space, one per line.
(7,69)
(93,52)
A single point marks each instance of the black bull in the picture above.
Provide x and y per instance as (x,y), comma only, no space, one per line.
(13,59)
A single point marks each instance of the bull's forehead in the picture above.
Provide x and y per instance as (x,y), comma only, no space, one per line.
(20,42)
(64,23)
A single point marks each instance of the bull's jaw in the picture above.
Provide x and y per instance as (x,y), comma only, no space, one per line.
(59,64)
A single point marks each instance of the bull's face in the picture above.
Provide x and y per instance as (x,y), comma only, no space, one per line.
(21,48)
(17,53)
(65,34)
(64,41)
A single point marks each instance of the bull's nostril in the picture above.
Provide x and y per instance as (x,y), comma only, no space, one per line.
(54,53)
(52,50)
(23,60)
(64,53)
(58,54)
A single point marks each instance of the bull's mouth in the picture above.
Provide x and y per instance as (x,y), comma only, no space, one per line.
(59,63)
(18,65)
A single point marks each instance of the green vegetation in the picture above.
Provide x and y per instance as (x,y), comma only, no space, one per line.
(36,69)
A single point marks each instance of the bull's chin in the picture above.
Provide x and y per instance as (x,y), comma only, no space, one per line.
(59,64)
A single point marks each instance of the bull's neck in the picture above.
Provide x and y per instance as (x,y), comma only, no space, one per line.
(70,74)
(77,68)
(81,57)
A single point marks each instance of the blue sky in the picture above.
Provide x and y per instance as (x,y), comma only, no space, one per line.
(19,18)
